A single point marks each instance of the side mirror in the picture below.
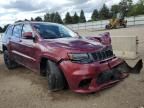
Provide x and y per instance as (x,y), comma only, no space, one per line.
(78,34)
(28,35)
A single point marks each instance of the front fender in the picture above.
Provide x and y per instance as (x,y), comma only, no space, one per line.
(103,38)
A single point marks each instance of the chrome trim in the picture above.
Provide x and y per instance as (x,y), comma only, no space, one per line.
(23,55)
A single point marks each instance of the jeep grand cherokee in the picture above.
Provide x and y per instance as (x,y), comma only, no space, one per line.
(84,64)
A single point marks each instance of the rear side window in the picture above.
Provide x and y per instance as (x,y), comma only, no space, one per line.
(9,31)
(17,31)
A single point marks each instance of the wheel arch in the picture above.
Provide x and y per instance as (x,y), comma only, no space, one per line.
(43,63)
(4,48)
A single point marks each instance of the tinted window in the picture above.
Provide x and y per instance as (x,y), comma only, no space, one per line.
(47,31)
(17,31)
(52,31)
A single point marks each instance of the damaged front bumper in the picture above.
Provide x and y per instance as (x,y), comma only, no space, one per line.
(95,77)
(119,72)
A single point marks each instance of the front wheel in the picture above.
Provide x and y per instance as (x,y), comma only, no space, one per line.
(55,77)
(107,27)
(124,25)
(8,62)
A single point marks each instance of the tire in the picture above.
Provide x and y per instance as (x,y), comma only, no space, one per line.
(55,77)
(107,27)
(115,27)
(124,25)
(1,52)
(8,62)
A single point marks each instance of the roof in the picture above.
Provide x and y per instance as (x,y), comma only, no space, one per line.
(37,22)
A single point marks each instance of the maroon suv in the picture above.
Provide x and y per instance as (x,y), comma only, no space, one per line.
(84,64)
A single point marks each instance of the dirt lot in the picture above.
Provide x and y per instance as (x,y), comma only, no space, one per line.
(21,88)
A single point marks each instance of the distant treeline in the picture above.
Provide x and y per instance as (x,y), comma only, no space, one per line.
(3,29)
(127,7)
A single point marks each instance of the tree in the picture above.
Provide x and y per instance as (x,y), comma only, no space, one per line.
(95,15)
(57,18)
(104,13)
(75,18)
(125,6)
(38,19)
(114,10)
(68,18)
(26,20)
(5,27)
(52,15)
(32,19)
(82,18)
(1,30)
(129,3)
(137,9)
(47,17)
(140,7)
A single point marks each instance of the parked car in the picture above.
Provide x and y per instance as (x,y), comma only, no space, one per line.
(84,64)
(0,42)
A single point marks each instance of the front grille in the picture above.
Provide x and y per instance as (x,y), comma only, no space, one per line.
(98,56)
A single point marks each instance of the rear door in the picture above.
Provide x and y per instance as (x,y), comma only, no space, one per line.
(7,36)
(15,41)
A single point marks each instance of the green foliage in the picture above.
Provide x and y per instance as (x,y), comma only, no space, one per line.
(114,10)
(5,27)
(95,15)
(82,18)
(47,17)
(53,17)
(26,20)
(137,9)
(1,30)
(75,18)
(57,18)
(32,19)
(104,12)
(68,18)
(38,19)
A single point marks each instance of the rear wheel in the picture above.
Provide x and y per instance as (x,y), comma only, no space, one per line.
(55,77)
(8,62)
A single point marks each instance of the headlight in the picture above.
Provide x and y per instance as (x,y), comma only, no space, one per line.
(80,57)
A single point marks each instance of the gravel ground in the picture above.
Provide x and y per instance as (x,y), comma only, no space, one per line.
(22,88)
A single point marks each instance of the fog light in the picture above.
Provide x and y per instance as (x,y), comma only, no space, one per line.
(85,83)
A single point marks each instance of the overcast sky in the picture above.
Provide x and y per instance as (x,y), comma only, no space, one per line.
(12,10)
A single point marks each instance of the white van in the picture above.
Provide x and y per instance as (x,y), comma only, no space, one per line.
(1,42)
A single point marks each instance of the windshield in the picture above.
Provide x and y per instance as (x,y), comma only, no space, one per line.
(53,31)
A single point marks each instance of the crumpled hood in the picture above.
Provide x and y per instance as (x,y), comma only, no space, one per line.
(75,43)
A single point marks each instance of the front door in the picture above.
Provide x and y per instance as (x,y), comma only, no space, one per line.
(28,48)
